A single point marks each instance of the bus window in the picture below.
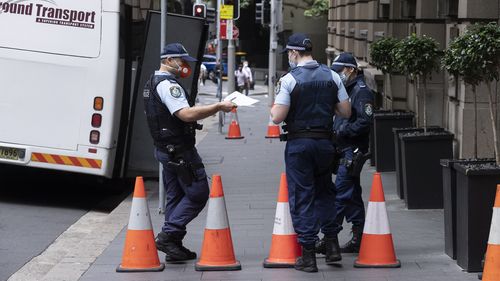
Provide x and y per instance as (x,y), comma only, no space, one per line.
(45,26)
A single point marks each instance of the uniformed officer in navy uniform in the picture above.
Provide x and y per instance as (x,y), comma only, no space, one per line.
(172,123)
(307,99)
(352,140)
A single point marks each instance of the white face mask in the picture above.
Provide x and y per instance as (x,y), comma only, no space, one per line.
(291,61)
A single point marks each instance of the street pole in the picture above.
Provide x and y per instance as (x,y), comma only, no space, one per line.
(163,42)
(272,53)
(218,55)
(230,57)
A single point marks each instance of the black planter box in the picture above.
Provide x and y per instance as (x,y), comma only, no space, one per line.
(383,123)
(422,179)
(397,154)
(372,137)
(450,201)
(476,189)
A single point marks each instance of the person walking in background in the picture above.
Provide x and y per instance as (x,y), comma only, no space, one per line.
(249,77)
(240,79)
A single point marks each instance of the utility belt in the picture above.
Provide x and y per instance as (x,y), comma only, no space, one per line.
(185,170)
(319,133)
(354,165)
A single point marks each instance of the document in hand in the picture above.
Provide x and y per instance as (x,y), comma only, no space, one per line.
(240,99)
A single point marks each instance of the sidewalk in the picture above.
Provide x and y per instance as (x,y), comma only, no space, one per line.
(210,89)
(250,170)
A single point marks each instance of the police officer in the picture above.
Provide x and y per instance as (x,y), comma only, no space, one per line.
(307,99)
(352,139)
(172,123)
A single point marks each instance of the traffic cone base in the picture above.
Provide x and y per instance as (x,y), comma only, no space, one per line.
(288,255)
(377,244)
(273,131)
(284,245)
(140,253)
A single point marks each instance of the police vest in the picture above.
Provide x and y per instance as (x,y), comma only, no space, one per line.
(313,100)
(165,128)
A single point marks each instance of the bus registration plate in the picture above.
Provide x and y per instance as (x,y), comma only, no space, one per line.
(11,153)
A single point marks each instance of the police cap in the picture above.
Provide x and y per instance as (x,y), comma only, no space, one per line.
(176,50)
(299,42)
(344,60)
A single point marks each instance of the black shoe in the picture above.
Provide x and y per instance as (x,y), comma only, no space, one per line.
(307,262)
(353,245)
(173,248)
(320,247)
(332,250)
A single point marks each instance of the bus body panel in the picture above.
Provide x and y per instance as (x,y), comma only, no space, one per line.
(47,91)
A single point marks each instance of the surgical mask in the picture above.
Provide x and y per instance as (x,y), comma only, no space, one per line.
(343,77)
(291,62)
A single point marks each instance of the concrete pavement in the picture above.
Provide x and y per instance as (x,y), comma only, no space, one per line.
(250,170)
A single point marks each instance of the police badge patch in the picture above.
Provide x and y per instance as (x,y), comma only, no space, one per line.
(368,109)
(175,91)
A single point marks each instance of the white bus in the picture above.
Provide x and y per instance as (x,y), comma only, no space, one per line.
(61,86)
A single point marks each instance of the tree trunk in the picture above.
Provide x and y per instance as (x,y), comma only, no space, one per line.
(425,104)
(415,85)
(493,124)
(475,120)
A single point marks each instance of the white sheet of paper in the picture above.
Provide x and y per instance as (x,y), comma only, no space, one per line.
(240,99)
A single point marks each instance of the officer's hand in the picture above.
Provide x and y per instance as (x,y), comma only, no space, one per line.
(226,106)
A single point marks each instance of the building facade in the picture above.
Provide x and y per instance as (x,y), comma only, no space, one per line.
(353,25)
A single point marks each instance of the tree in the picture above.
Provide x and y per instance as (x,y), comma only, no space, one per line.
(318,8)
(418,57)
(380,53)
(475,56)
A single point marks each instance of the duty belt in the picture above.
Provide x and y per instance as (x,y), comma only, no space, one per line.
(308,134)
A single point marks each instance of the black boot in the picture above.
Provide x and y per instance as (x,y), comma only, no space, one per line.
(320,247)
(307,262)
(173,248)
(332,250)
(353,245)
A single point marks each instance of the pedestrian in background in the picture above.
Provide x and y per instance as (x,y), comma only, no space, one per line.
(352,140)
(203,74)
(172,124)
(307,99)
(240,79)
(249,77)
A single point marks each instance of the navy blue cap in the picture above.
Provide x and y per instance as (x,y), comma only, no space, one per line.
(297,41)
(343,60)
(176,50)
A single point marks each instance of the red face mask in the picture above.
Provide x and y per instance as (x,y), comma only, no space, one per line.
(184,70)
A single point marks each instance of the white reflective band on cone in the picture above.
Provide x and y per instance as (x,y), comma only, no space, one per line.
(494,237)
(376,219)
(139,215)
(217,215)
(283,221)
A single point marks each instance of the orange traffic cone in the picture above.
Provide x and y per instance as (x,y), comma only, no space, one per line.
(492,262)
(234,127)
(139,253)
(217,253)
(273,130)
(377,248)
(284,245)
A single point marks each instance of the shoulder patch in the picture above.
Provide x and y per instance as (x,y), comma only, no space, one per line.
(278,87)
(368,109)
(175,91)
